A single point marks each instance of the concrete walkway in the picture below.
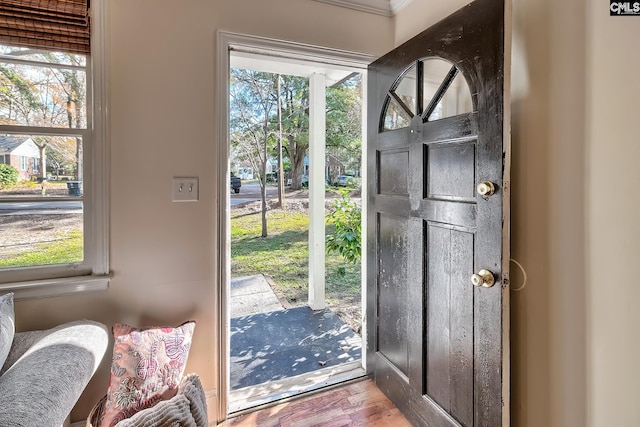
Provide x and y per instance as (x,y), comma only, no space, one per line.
(251,295)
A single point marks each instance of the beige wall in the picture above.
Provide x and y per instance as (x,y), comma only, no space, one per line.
(420,14)
(613,203)
(163,125)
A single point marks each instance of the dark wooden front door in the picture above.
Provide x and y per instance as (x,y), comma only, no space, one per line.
(438,221)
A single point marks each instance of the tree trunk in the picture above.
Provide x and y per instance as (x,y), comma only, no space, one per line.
(79,146)
(263,178)
(263,172)
(79,160)
(280,166)
(43,161)
(296,154)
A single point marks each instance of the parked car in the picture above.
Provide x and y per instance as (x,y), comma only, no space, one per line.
(342,180)
(236,183)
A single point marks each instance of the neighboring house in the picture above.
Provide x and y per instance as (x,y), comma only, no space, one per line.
(272,166)
(21,153)
(333,168)
(245,172)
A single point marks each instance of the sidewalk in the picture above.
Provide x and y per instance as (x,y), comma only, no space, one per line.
(251,295)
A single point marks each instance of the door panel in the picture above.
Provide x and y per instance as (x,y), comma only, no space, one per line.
(436,131)
(450,171)
(449,375)
(392,288)
(394,176)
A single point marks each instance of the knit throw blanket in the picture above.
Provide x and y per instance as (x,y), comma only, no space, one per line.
(188,408)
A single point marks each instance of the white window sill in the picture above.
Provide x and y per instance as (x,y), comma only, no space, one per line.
(56,287)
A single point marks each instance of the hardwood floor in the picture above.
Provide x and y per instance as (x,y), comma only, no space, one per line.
(356,404)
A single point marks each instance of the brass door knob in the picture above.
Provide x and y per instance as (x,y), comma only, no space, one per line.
(483,278)
(486,188)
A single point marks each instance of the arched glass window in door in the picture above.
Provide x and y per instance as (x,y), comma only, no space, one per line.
(431,88)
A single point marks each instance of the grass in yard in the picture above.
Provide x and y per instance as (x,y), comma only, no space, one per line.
(65,250)
(284,255)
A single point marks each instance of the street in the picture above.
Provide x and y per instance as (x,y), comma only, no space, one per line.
(250,192)
(26,208)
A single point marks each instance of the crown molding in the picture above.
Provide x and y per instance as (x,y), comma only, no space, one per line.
(397,5)
(379,7)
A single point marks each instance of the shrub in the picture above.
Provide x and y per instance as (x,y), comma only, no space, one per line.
(8,174)
(353,182)
(345,214)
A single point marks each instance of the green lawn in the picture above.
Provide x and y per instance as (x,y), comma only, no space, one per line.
(67,249)
(284,255)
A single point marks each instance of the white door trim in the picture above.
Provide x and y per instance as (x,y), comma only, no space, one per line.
(227,41)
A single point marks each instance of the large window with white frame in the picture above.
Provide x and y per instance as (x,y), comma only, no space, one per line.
(53,194)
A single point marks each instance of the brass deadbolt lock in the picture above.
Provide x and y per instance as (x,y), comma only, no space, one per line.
(486,188)
(483,278)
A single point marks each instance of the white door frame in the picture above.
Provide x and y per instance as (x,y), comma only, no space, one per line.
(227,41)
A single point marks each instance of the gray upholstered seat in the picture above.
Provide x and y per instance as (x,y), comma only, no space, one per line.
(46,371)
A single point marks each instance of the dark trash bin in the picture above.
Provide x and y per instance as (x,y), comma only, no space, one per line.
(75,188)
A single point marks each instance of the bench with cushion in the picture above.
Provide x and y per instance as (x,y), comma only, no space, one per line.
(45,372)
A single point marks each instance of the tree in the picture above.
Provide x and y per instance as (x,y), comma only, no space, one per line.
(288,122)
(8,174)
(61,155)
(73,85)
(295,124)
(344,122)
(45,96)
(16,97)
(252,133)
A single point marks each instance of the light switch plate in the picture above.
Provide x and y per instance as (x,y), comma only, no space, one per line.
(184,189)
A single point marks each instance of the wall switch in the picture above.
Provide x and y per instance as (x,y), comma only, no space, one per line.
(184,189)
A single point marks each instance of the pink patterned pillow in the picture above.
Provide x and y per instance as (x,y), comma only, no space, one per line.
(147,368)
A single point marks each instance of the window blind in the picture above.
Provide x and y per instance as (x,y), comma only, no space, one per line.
(61,25)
